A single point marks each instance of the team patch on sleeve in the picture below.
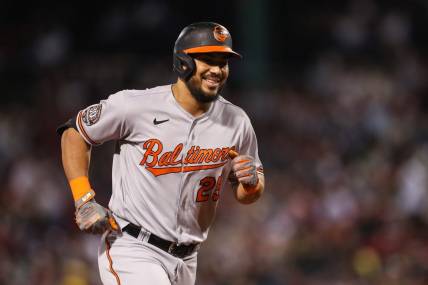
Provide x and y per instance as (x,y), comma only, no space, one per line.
(92,114)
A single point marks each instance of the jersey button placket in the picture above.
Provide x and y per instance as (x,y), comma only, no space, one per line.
(181,205)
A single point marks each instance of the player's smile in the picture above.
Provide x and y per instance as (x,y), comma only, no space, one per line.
(212,81)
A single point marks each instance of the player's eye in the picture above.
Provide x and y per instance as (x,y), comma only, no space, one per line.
(216,62)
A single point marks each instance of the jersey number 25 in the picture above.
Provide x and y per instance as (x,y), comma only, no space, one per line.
(207,184)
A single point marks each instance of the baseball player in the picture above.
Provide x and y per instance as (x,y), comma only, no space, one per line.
(176,148)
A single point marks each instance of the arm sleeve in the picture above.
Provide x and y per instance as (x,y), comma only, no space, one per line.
(248,143)
(69,124)
(104,121)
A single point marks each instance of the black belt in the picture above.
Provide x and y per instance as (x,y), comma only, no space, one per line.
(172,248)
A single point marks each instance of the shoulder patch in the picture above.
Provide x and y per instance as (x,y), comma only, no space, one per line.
(92,114)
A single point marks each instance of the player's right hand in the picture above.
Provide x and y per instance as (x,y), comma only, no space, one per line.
(93,218)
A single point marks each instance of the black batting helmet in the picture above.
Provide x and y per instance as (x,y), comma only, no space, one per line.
(202,37)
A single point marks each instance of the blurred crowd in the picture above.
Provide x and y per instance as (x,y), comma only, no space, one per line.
(343,139)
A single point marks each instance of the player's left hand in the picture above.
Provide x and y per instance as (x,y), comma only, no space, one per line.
(94,218)
(244,168)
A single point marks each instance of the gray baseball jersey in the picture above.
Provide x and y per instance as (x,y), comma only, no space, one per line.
(169,167)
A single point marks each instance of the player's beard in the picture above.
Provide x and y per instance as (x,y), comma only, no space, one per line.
(195,89)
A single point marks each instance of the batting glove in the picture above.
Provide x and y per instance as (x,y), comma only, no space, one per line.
(244,168)
(93,218)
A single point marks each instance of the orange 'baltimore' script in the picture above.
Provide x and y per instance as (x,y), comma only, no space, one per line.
(197,158)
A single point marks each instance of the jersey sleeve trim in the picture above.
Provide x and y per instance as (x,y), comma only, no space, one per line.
(82,131)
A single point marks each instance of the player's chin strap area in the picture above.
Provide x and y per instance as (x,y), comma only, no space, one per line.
(180,251)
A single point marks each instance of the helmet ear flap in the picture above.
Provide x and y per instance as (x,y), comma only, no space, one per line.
(184,65)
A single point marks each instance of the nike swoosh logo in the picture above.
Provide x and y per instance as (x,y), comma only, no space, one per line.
(156,122)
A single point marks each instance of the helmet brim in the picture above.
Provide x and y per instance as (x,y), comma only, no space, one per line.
(208,49)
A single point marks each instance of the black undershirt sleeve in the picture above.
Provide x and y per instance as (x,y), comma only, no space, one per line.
(69,124)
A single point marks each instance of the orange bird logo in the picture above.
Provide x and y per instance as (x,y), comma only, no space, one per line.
(220,33)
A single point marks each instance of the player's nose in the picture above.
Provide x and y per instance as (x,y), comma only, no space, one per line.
(215,69)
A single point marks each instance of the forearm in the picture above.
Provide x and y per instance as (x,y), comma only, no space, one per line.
(248,195)
(75,159)
(75,154)
(90,216)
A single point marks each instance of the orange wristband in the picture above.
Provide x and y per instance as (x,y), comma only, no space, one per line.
(251,189)
(80,187)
